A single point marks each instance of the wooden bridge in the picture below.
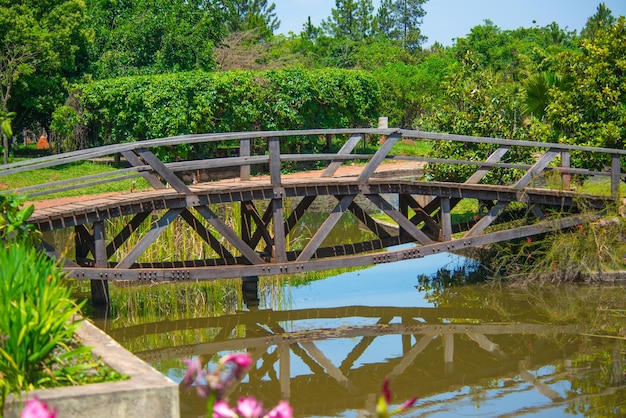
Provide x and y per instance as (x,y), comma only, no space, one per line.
(261,244)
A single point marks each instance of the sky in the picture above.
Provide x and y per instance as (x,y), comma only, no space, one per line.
(449,19)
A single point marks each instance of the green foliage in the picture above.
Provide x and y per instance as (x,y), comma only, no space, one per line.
(412,91)
(147,36)
(13,219)
(591,110)
(138,108)
(42,46)
(245,15)
(37,320)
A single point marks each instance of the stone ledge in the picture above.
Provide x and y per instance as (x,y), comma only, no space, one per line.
(147,393)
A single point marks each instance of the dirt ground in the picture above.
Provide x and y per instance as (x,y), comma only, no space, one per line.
(343,171)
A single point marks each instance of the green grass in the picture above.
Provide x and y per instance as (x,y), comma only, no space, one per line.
(71,171)
(412,148)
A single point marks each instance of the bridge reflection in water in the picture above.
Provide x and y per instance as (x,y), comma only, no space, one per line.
(332,360)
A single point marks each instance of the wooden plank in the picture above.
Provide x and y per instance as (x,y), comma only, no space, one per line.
(346,149)
(398,218)
(163,171)
(148,239)
(135,161)
(368,221)
(230,235)
(325,228)
(378,158)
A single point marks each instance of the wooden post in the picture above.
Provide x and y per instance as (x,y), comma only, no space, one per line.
(280,241)
(615,175)
(566,178)
(446,220)
(100,288)
(244,151)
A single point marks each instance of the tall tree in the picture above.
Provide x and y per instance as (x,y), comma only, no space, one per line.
(383,21)
(245,15)
(591,110)
(602,19)
(407,18)
(153,36)
(350,19)
(43,45)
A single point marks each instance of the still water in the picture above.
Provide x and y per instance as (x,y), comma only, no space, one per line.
(471,350)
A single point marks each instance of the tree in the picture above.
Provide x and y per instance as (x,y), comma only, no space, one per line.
(153,36)
(43,45)
(592,111)
(602,19)
(383,21)
(407,18)
(245,15)
(350,20)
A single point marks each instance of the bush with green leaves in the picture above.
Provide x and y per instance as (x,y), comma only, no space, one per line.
(13,220)
(145,107)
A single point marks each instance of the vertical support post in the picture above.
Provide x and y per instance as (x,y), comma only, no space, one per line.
(100,288)
(280,240)
(446,219)
(274,147)
(615,175)
(566,178)
(244,151)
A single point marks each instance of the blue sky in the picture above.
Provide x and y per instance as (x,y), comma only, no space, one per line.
(448,19)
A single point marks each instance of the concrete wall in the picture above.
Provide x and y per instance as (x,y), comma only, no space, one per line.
(146,394)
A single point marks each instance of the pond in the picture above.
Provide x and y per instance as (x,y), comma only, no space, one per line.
(327,341)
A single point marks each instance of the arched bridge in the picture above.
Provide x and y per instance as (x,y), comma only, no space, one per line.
(261,244)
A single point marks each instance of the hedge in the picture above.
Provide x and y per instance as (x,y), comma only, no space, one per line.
(146,107)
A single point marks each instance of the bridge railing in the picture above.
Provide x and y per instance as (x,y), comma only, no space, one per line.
(144,163)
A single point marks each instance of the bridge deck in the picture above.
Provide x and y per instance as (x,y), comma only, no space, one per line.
(103,208)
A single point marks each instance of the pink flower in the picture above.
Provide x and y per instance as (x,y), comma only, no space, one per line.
(249,407)
(282,410)
(241,363)
(194,369)
(37,409)
(241,360)
(222,410)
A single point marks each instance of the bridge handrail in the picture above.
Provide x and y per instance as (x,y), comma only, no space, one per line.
(249,160)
